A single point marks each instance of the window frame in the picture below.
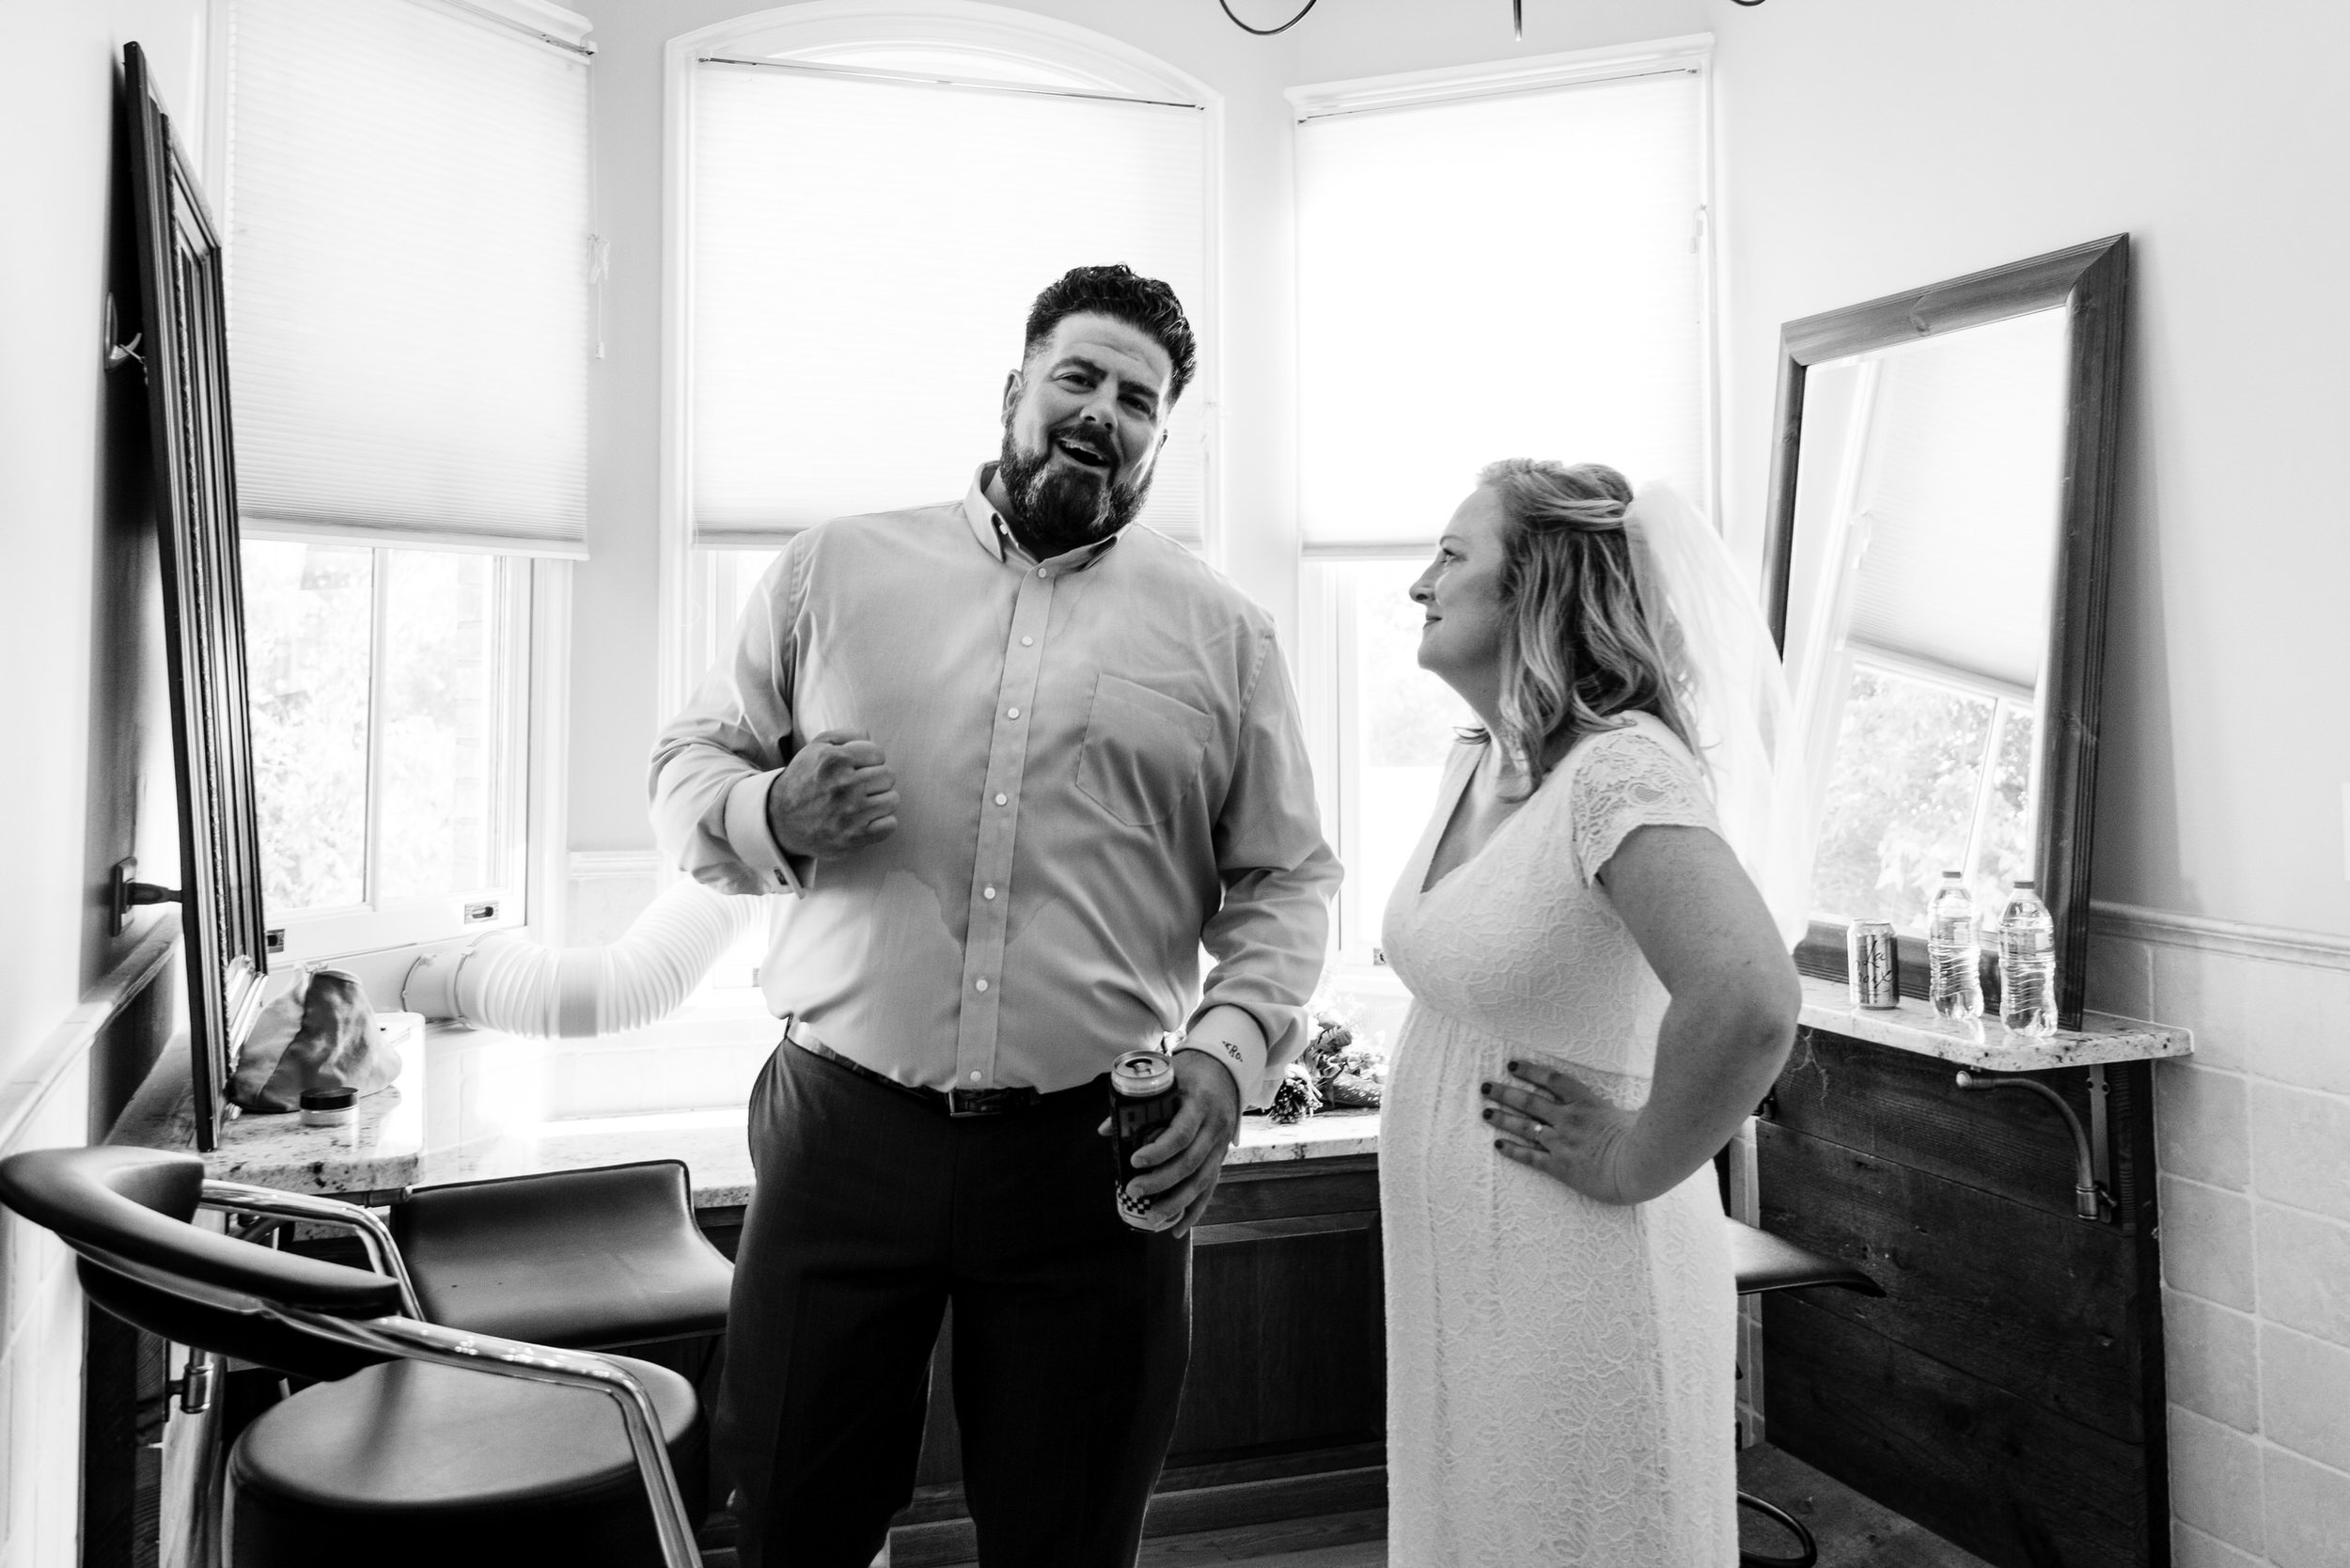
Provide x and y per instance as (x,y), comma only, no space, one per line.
(530,602)
(1329,661)
(381,947)
(813,30)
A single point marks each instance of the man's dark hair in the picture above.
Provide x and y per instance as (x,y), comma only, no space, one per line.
(1119,291)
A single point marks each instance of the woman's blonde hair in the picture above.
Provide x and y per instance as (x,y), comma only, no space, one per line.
(1578,649)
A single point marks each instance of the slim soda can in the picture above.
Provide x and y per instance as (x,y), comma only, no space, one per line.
(1876,982)
(1142,1101)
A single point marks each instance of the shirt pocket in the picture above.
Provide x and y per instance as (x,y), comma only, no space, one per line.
(1141,753)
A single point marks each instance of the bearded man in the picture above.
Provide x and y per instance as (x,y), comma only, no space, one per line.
(1014,762)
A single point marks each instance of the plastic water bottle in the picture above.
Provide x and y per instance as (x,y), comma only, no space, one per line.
(2028,963)
(1953,981)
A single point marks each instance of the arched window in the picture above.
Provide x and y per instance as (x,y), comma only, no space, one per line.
(865,199)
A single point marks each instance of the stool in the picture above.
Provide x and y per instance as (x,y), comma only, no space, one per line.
(1762,1261)
(418,1443)
(590,1259)
(406,1463)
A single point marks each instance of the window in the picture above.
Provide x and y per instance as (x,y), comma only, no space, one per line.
(894,127)
(1385,728)
(860,273)
(406,192)
(1508,263)
(388,738)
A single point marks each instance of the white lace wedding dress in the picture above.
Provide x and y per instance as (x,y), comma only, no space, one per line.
(1559,1371)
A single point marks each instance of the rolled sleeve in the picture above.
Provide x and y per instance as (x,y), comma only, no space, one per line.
(1271,934)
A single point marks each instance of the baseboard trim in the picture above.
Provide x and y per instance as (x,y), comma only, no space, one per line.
(2274,944)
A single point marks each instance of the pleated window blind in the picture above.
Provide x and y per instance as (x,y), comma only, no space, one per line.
(865,249)
(1511,276)
(408,254)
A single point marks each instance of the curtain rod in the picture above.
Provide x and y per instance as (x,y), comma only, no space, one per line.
(1498,91)
(514,25)
(915,79)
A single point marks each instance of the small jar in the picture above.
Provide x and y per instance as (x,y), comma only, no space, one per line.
(330,1107)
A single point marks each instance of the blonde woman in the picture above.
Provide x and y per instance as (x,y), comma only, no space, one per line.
(1601,996)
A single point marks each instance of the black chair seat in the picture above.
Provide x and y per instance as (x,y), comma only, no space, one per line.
(1766,1263)
(409,1462)
(582,1259)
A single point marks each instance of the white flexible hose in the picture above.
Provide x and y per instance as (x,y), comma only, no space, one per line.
(509,983)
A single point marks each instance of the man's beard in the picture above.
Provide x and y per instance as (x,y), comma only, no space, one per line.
(1055,510)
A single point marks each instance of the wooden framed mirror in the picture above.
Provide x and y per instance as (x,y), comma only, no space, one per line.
(1935,571)
(182,343)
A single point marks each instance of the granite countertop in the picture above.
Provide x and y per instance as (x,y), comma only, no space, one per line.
(477,1103)
(1984,1042)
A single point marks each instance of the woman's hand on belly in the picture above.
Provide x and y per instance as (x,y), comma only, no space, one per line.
(1548,1120)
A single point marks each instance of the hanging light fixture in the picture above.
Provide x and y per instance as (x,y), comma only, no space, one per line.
(1268,32)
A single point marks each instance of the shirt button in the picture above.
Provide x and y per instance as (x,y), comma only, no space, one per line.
(1028,642)
(975,1077)
(987,892)
(1011,713)
(1003,800)
(983,984)
(1043,571)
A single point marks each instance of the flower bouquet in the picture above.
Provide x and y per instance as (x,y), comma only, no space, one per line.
(1336,1072)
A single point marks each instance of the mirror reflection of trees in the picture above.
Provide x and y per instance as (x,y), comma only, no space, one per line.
(1928,778)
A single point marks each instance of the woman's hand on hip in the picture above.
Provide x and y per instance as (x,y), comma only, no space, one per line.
(1548,1120)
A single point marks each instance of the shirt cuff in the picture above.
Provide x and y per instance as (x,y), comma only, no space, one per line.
(753,843)
(1233,1037)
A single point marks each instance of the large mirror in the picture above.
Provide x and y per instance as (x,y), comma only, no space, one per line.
(1936,567)
(183,354)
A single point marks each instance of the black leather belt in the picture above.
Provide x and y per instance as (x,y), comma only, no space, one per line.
(955,1103)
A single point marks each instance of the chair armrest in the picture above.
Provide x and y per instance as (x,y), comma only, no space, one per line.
(374,1234)
(577,1369)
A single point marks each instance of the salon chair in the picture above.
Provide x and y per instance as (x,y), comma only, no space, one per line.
(415,1442)
(1762,1261)
(598,1259)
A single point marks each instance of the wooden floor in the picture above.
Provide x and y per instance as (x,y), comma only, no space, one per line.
(1853,1531)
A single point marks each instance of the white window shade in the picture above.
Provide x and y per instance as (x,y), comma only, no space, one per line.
(408,276)
(1512,275)
(1963,499)
(864,253)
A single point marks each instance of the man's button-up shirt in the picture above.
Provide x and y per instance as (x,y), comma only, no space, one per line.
(1100,771)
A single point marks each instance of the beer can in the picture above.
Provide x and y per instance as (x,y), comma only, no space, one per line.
(1876,980)
(1142,1102)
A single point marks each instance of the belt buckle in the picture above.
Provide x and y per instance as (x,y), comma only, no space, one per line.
(963,1103)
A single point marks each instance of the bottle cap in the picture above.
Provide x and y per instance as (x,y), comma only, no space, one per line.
(1948,875)
(2025,885)
(329,1098)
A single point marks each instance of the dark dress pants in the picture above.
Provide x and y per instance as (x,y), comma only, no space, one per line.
(1071,1330)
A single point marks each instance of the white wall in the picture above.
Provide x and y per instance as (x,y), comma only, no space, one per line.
(59,699)
(1872,146)
(1869,146)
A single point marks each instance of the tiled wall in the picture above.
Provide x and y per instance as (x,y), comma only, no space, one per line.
(40,1347)
(2254,1135)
